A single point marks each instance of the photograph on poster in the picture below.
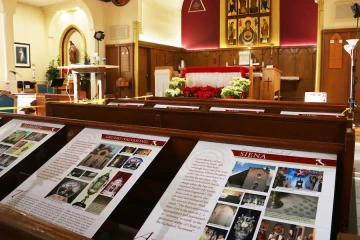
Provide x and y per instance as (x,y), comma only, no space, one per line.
(100,156)
(115,184)
(143,151)
(16,147)
(67,190)
(88,176)
(250,199)
(298,179)
(251,176)
(24,148)
(88,195)
(16,136)
(210,233)
(98,205)
(37,137)
(294,207)
(6,160)
(222,215)
(118,161)
(279,230)
(76,172)
(244,224)
(128,149)
(3,148)
(133,163)
(230,196)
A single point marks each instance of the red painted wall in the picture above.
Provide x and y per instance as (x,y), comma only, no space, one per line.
(200,30)
(298,22)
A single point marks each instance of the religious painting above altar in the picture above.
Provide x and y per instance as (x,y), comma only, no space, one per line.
(248,22)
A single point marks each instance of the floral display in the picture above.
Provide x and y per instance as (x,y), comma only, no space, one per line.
(175,85)
(201,92)
(237,88)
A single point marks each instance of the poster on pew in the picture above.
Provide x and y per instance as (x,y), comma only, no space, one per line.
(239,110)
(180,107)
(314,114)
(83,183)
(235,192)
(19,138)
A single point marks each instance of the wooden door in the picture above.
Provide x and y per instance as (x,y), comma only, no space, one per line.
(144,75)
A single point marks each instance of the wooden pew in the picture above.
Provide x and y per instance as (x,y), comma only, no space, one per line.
(18,225)
(42,98)
(268,106)
(335,137)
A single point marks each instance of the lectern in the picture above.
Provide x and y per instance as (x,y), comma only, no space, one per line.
(270,84)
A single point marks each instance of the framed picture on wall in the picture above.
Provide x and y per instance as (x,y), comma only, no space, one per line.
(243,7)
(22,55)
(265,6)
(231,7)
(248,31)
(232,33)
(264,30)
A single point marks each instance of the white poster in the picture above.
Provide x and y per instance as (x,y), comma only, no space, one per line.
(234,192)
(314,114)
(176,107)
(240,110)
(19,138)
(81,185)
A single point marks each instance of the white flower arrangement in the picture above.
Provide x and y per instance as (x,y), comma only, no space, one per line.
(238,87)
(175,85)
(173,92)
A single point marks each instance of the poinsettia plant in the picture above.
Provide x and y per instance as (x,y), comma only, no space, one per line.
(175,86)
(237,88)
(201,92)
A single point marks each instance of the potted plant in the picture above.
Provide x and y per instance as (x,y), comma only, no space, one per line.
(51,71)
(239,86)
(85,77)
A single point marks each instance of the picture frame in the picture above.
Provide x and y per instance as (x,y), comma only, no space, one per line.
(22,55)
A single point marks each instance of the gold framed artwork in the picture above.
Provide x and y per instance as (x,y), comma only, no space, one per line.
(248,22)
(248,31)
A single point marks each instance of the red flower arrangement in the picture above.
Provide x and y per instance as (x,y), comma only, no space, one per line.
(202,92)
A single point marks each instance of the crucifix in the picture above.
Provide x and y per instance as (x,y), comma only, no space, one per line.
(268,83)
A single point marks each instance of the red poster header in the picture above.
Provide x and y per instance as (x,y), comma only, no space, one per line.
(133,140)
(283,158)
(44,128)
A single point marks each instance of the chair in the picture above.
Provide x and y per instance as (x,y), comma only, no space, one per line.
(44,88)
(8,100)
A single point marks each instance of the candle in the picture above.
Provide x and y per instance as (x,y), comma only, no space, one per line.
(182,63)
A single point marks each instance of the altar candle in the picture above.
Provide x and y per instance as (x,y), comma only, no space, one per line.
(182,63)
(234,61)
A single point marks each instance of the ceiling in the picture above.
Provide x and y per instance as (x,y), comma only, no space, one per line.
(40,3)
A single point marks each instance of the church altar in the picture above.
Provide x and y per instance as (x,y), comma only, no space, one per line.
(77,69)
(212,76)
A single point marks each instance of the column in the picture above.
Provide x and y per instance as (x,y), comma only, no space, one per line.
(319,41)
(7,58)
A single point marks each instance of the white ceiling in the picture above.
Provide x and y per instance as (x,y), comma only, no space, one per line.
(40,3)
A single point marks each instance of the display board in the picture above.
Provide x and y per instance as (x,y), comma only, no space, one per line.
(81,185)
(244,110)
(177,107)
(225,191)
(314,114)
(19,138)
(126,104)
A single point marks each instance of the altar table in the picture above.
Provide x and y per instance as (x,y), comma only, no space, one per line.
(212,76)
(78,69)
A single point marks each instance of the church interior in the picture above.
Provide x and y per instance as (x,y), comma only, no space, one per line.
(260,73)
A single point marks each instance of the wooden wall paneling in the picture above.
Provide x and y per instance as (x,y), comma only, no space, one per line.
(257,54)
(203,58)
(144,75)
(336,81)
(226,57)
(213,59)
(112,53)
(160,57)
(152,69)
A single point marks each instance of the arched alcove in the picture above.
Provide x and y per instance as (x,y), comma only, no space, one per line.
(76,36)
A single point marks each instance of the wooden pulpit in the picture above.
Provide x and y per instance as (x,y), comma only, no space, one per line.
(270,84)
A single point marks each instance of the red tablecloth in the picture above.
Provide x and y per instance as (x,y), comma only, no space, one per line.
(243,70)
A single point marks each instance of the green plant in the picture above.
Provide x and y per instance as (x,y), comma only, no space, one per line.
(51,71)
(85,77)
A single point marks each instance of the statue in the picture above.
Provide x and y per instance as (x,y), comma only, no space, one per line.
(72,52)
